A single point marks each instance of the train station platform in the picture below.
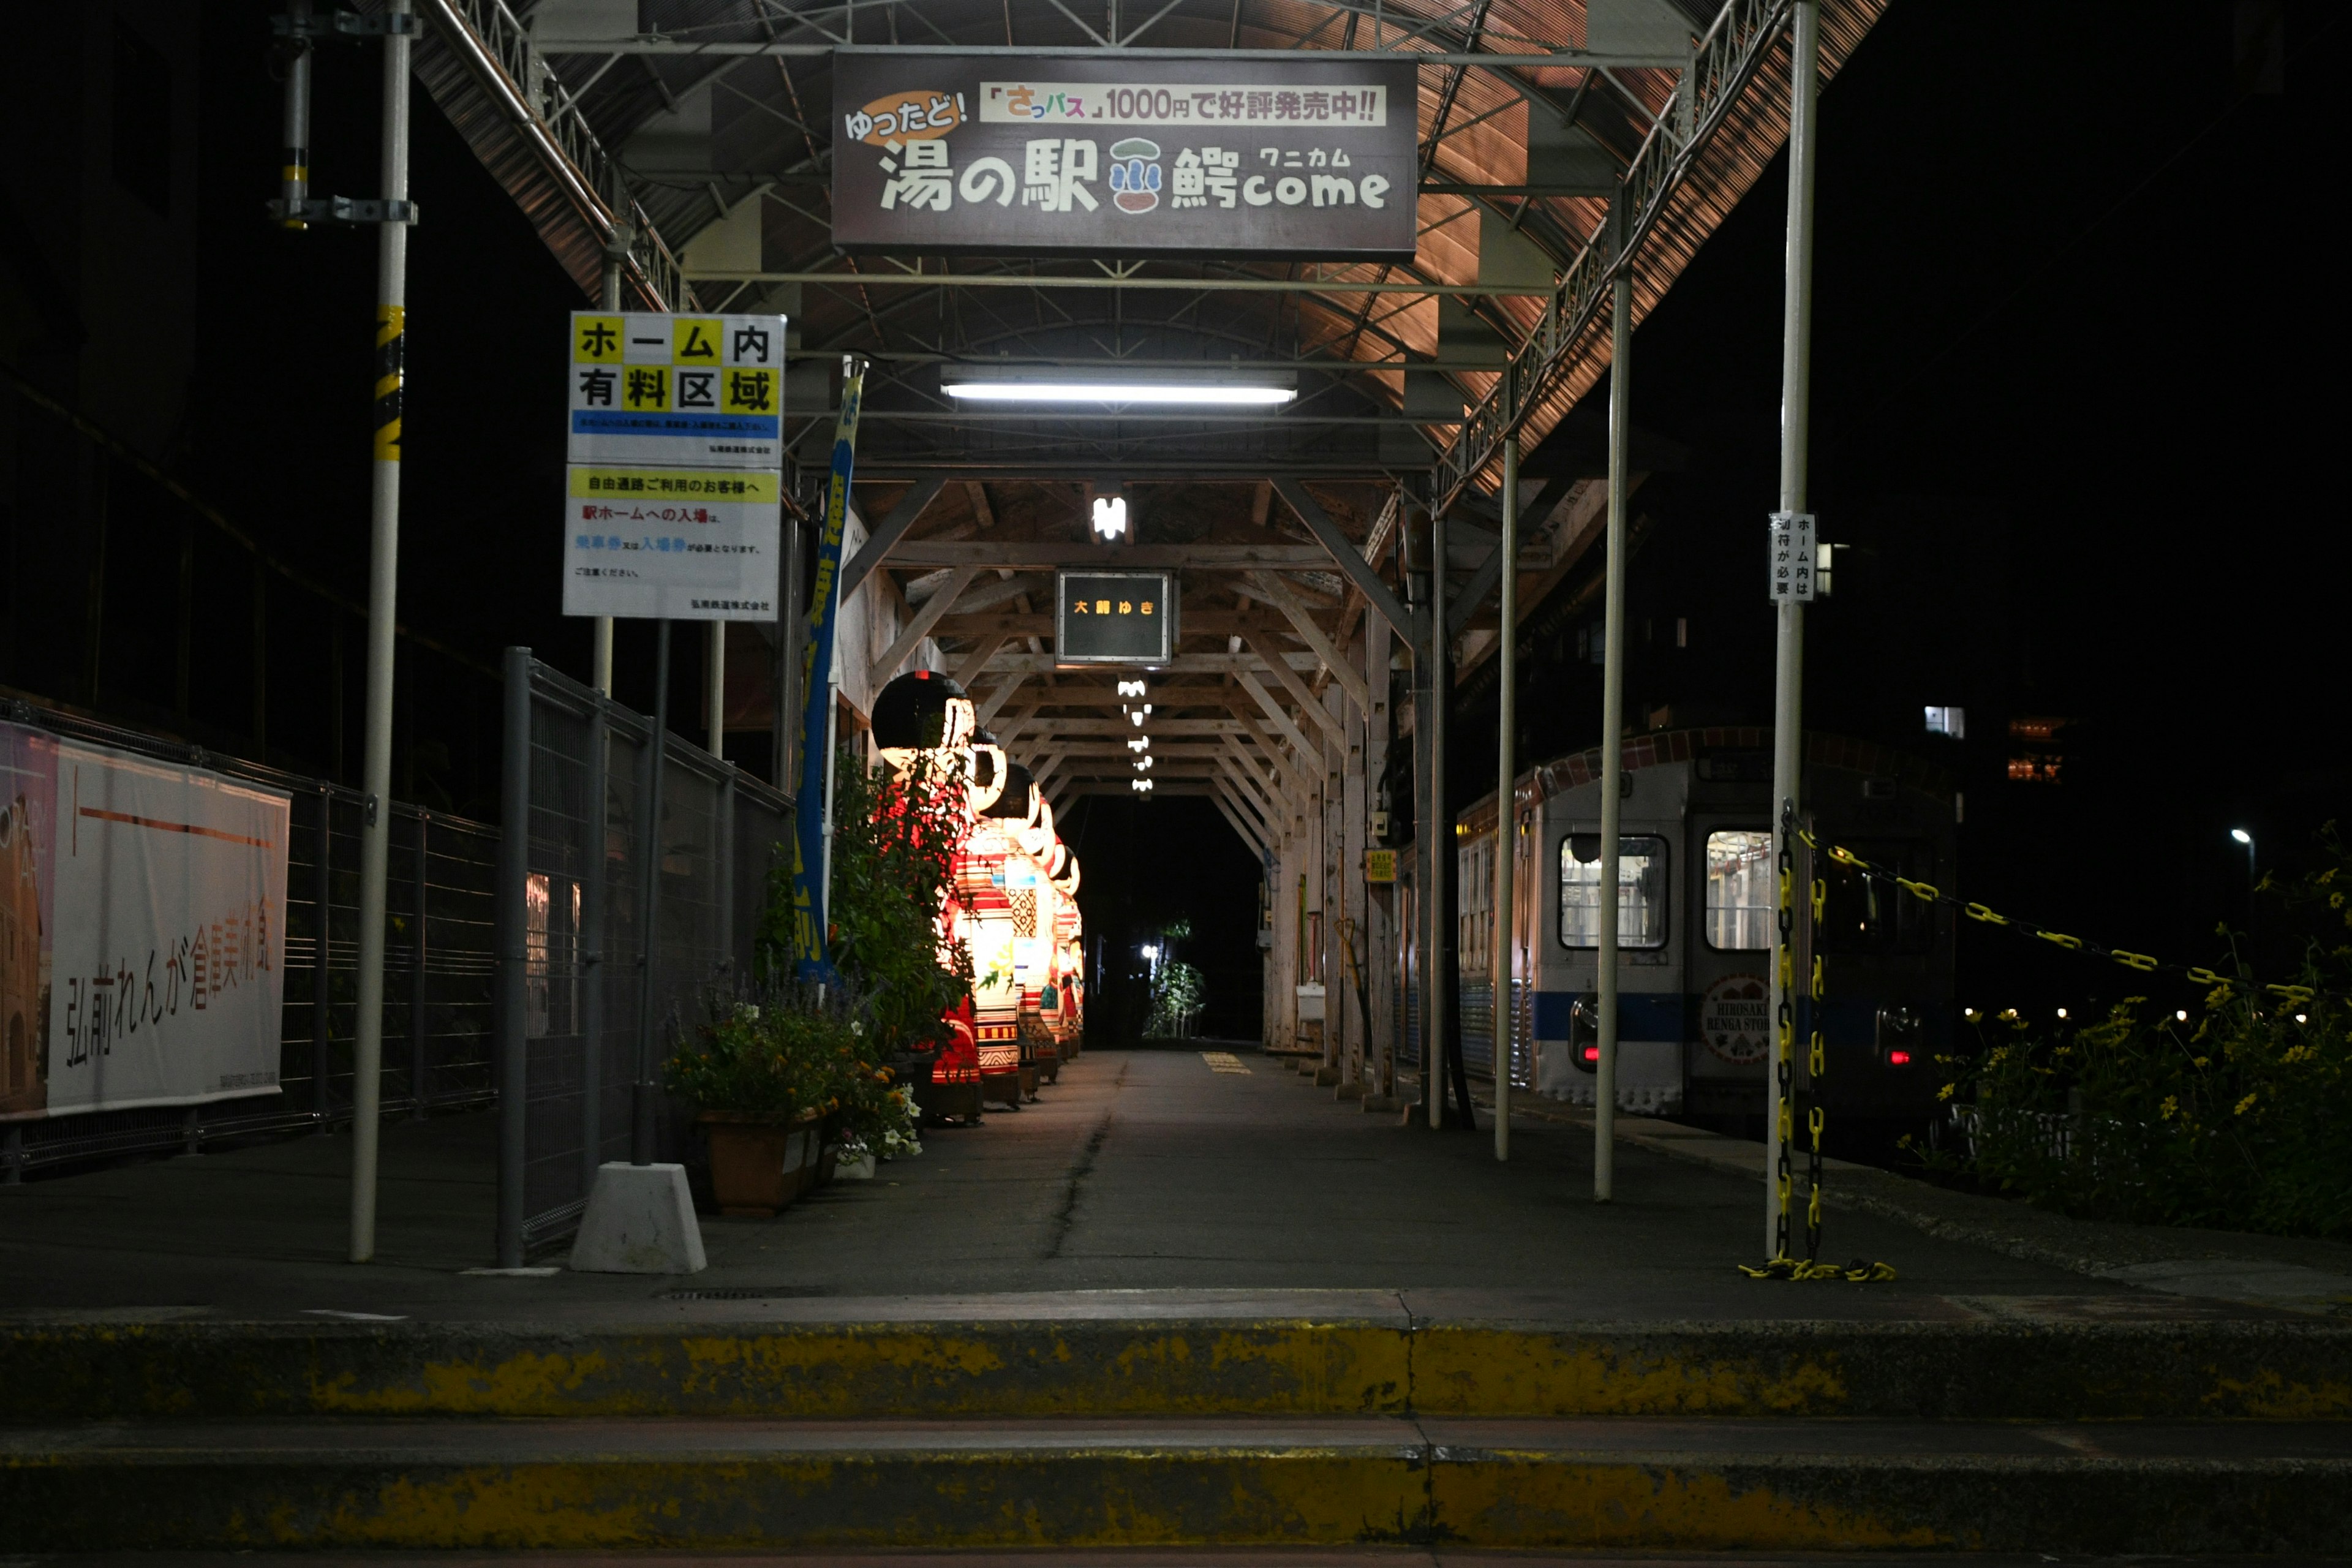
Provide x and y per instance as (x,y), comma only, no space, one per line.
(1143,1170)
(1174,1303)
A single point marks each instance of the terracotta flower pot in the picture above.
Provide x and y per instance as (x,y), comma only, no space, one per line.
(759,1165)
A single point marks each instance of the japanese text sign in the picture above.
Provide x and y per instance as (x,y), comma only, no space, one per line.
(692,545)
(142,943)
(1792,557)
(1209,156)
(701,390)
(1114,617)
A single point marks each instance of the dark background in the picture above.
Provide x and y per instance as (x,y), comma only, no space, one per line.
(2076,394)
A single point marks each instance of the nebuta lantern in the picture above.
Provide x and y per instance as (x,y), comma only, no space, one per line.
(984,871)
(923,724)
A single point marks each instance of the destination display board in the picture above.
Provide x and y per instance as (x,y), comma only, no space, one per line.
(943,152)
(1114,617)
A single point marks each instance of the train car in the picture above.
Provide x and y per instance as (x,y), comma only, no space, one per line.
(1696,906)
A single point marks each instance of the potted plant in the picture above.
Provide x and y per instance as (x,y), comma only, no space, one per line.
(764,1074)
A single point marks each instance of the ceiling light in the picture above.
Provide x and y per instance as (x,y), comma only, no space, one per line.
(1140,743)
(1142,765)
(1131,688)
(1110,517)
(1142,786)
(1207,387)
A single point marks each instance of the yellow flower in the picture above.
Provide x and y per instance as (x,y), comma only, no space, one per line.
(2204,1061)
(2245,1105)
(1945,1092)
(2334,901)
(2170,1109)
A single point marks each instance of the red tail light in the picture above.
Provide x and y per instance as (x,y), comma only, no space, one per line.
(1898,1058)
(1593,1053)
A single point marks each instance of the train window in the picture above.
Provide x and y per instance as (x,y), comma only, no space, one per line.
(1864,915)
(1739,890)
(1641,891)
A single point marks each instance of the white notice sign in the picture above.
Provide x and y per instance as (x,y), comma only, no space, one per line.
(1792,555)
(701,390)
(167,960)
(692,545)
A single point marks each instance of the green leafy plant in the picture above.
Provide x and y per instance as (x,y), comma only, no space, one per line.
(1177,991)
(790,1050)
(2237,1117)
(774,1055)
(894,844)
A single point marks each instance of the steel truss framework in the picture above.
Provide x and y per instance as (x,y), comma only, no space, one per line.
(1283,532)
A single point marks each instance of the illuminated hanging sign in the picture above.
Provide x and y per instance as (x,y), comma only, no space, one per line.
(937,151)
(1114,617)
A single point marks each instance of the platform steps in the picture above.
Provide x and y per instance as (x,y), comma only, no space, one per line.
(2174,1436)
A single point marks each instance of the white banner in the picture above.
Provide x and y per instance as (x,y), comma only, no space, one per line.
(164,955)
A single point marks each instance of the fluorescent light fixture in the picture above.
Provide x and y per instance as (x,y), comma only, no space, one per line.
(1131,688)
(1110,517)
(1209,386)
(1140,743)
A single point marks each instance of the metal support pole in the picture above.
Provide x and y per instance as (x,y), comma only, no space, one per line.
(322,1036)
(1506,824)
(715,700)
(790,628)
(1441,834)
(510,1023)
(1789,643)
(384,578)
(649,859)
(616,251)
(294,156)
(593,886)
(1608,957)
(417,949)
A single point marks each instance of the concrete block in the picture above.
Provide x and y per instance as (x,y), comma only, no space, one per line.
(640,1220)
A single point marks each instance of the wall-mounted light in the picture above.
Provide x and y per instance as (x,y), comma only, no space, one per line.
(1111,517)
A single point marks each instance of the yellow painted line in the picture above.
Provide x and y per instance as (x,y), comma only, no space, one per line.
(1223,1061)
(1517,1500)
(1469,1370)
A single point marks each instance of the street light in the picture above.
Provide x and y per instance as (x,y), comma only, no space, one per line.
(2246,838)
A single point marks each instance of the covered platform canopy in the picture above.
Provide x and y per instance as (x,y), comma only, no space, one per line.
(691,142)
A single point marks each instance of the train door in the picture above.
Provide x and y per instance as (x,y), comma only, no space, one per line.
(1733,889)
(1650,1022)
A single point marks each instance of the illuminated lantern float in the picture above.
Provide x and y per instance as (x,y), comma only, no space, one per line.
(1065,997)
(993,881)
(923,720)
(1033,951)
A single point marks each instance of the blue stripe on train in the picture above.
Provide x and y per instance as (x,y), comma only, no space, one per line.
(1641,1015)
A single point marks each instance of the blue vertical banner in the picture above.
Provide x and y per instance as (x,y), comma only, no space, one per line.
(809,956)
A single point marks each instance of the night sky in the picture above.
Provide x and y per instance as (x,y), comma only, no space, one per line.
(2073,343)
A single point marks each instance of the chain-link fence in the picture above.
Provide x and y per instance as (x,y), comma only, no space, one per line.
(574,1000)
(437,982)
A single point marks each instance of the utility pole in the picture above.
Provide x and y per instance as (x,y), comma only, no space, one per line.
(1507,827)
(1788,647)
(616,255)
(1608,941)
(384,582)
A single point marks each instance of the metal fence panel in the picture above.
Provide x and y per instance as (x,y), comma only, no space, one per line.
(438,972)
(585,864)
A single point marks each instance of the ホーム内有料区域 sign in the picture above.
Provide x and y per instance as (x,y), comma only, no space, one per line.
(940,151)
(705,391)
